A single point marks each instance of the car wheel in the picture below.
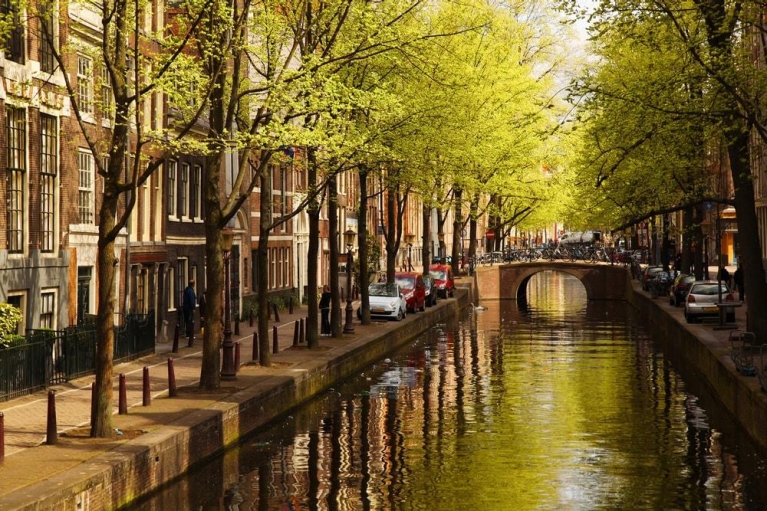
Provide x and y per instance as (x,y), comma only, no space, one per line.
(690,319)
(434,300)
(671,301)
(400,315)
(423,306)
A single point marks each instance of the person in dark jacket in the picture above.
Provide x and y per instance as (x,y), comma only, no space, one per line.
(188,305)
(325,310)
(738,279)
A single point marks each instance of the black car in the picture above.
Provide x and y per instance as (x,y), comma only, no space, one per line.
(431,290)
(679,289)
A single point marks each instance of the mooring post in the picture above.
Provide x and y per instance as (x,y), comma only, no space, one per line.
(123,400)
(175,339)
(147,397)
(275,340)
(295,334)
(52,434)
(171,378)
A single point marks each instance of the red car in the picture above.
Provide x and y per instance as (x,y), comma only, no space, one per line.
(412,287)
(443,277)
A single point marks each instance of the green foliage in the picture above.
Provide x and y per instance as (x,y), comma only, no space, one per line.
(10,317)
(12,340)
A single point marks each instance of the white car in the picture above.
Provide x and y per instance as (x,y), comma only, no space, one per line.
(386,300)
(702,298)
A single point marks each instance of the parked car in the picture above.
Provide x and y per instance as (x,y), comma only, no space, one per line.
(431,290)
(649,273)
(386,300)
(661,283)
(702,298)
(412,287)
(443,276)
(679,289)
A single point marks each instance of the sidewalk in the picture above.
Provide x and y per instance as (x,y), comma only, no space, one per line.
(29,460)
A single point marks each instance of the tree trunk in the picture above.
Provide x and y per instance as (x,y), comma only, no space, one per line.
(312,258)
(105,332)
(335,281)
(264,228)
(426,252)
(457,228)
(362,225)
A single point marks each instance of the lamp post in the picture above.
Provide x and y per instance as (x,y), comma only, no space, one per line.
(409,239)
(228,371)
(349,238)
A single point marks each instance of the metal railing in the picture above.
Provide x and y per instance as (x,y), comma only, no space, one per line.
(51,357)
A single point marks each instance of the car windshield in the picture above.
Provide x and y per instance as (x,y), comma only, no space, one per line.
(383,290)
(708,289)
(406,282)
(439,275)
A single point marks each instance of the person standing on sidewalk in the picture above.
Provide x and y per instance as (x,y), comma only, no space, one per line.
(738,279)
(325,299)
(190,301)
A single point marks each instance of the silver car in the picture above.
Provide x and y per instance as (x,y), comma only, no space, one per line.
(386,300)
(702,298)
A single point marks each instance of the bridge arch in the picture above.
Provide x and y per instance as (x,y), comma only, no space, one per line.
(509,281)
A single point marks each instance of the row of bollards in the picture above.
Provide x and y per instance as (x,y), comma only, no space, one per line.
(52,431)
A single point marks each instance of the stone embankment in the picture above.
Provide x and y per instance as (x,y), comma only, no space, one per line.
(162,441)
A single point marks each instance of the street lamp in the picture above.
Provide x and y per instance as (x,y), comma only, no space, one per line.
(228,371)
(409,239)
(349,238)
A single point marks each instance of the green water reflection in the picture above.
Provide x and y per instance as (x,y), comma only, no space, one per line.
(562,405)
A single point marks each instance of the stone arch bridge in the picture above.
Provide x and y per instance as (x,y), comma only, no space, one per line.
(509,281)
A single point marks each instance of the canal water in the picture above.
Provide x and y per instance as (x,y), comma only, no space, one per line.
(560,404)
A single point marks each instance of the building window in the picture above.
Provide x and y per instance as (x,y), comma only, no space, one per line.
(141,286)
(182,277)
(85,84)
(48,170)
(171,187)
(194,196)
(16,176)
(170,288)
(106,93)
(13,45)
(286,267)
(19,300)
(84,280)
(47,310)
(85,206)
(183,192)
(47,36)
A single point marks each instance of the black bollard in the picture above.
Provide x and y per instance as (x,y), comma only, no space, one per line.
(295,334)
(2,437)
(255,346)
(52,434)
(237,357)
(191,337)
(175,340)
(237,324)
(275,340)
(301,332)
(290,305)
(276,313)
(123,399)
(252,313)
(94,409)
(171,379)
(145,386)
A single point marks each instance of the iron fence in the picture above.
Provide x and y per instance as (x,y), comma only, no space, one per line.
(51,357)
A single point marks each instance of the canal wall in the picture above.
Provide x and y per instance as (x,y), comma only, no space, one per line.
(707,353)
(118,477)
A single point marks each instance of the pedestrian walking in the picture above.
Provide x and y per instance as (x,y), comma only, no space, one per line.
(325,310)
(189,303)
(724,275)
(738,280)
